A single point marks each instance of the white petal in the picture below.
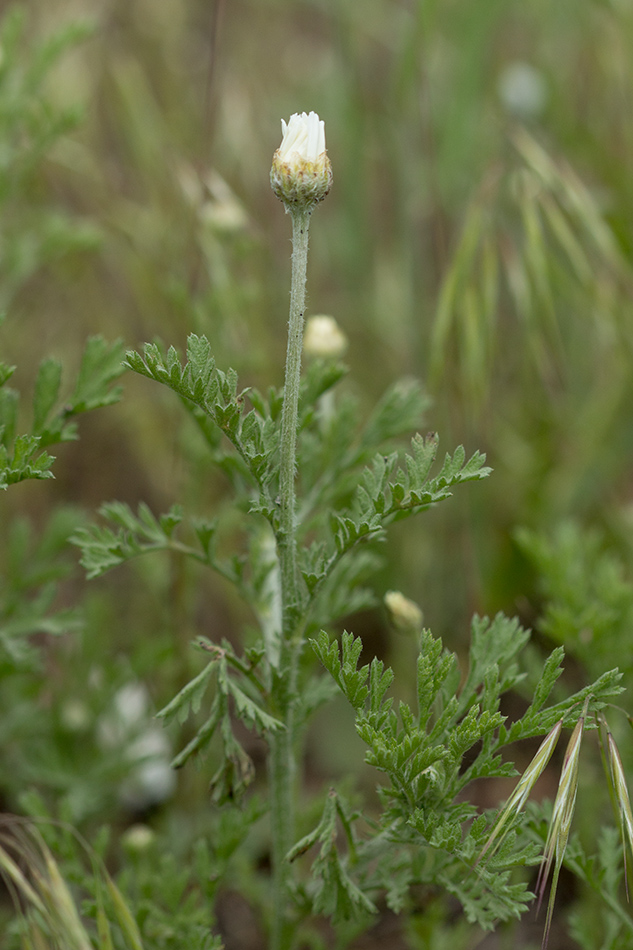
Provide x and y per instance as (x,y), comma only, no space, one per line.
(304,135)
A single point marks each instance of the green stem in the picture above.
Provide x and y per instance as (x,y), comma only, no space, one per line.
(282,791)
(289,418)
(282,756)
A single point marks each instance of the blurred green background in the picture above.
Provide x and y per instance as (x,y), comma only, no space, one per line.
(478,237)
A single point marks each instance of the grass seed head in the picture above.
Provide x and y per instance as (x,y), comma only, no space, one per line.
(562,815)
(621,800)
(524,786)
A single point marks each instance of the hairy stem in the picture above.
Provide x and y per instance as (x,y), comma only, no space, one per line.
(287,541)
(282,758)
(282,807)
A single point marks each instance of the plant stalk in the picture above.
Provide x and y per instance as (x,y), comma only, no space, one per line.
(289,418)
(282,808)
(282,743)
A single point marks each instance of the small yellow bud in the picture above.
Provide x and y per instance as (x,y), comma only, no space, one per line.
(324,338)
(403,613)
(301,174)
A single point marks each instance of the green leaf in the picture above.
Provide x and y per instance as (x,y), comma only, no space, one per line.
(101,364)
(26,461)
(493,643)
(249,710)
(397,413)
(45,394)
(9,399)
(189,698)
(336,894)
(386,493)
(6,372)
(588,595)
(202,738)
(104,548)
(213,393)
(380,679)
(434,666)
(328,653)
(236,771)
(320,376)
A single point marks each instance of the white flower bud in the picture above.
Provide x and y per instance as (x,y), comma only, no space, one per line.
(138,838)
(523,90)
(403,613)
(75,716)
(301,174)
(324,338)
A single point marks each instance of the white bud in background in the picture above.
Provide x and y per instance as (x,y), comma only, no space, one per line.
(138,838)
(522,90)
(141,745)
(75,716)
(324,338)
(403,613)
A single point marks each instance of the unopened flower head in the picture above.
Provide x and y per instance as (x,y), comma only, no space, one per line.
(138,838)
(301,174)
(404,614)
(324,338)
